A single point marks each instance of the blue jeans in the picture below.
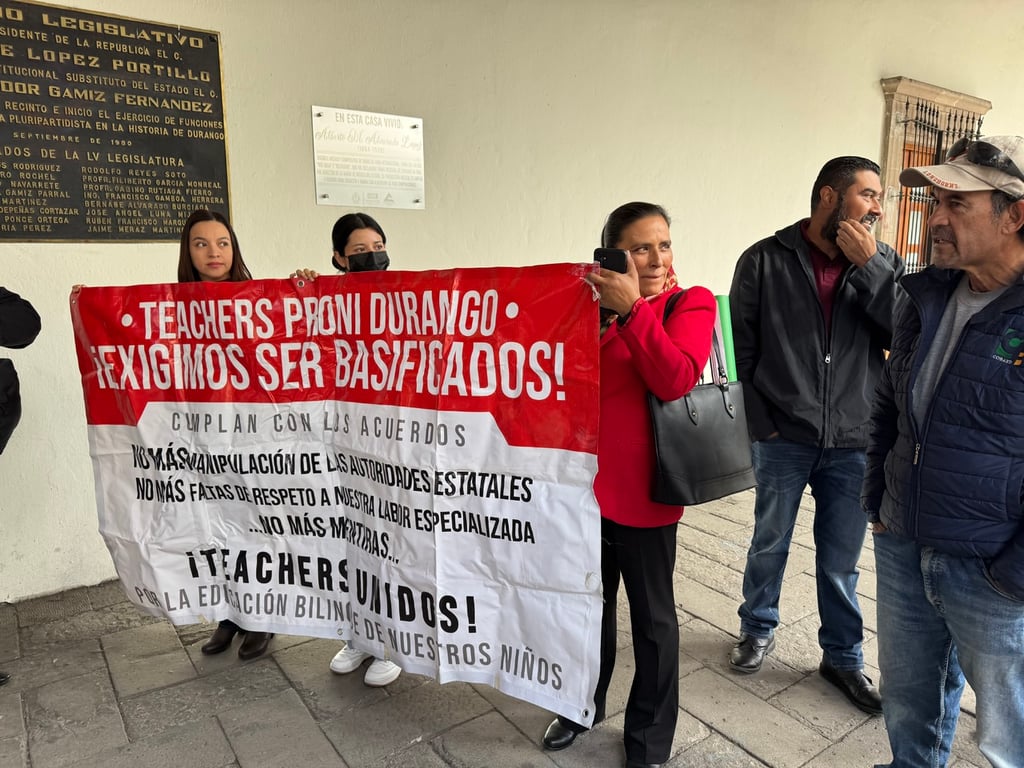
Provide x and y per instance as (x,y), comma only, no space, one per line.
(783,469)
(939,620)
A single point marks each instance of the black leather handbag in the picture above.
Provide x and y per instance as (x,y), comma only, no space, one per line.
(700,440)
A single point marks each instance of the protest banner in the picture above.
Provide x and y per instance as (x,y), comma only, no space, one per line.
(404,460)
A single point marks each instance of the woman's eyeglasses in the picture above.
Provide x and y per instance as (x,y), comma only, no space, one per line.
(985,154)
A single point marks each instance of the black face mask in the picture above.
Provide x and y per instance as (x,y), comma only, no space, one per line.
(369,261)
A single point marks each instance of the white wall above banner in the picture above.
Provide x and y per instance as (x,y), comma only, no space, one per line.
(367,159)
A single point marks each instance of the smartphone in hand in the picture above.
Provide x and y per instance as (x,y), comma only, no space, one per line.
(611,258)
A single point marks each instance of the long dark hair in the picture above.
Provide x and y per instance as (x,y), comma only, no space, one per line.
(625,215)
(187,273)
(348,224)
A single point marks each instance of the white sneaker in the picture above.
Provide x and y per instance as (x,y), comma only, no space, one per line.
(382,673)
(348,660)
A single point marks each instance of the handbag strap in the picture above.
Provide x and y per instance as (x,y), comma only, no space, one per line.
(719,373)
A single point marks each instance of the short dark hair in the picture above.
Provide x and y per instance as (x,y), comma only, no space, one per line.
(839,173)
(623,216)
(348,224)
(187,273)
(1000,202)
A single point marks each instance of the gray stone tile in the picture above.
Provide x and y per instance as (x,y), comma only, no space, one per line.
(965,746)
(155,711)
(66,661)
(71,719)
(703,518)
(49,608)
(277,730)
(8,616)
(750,722)
(10,647)
(489,740)
(367,735)
(200,744)
(529,719)
(708,605)
(89,624)
(694,566)
(714,751)
(326,694)
(717,548)
(416,756)
(145,658)
(799,598)
(14,752)
(818,704)
(711,647)
(866,745)
(12,718)
(106,594)
(869,612)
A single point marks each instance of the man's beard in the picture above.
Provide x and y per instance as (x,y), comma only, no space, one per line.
(830,229)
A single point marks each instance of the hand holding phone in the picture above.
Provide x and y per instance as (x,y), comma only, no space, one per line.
(613,259)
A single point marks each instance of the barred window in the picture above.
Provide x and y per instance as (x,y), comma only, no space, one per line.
(922,122)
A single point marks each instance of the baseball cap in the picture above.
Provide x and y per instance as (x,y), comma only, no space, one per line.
(975,165)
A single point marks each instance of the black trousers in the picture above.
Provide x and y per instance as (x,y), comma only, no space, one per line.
(644,559)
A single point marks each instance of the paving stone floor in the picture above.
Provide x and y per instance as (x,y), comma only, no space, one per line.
(97,684)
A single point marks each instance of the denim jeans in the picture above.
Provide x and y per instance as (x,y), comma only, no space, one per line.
(783,469)
(937,615)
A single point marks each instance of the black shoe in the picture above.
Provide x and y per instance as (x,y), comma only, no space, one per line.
(221,638)
(748,654)
(559,735)
(4,677)
(856,686)
(254,645)
(638,764)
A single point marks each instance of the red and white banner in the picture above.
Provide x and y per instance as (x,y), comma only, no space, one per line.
(400,459)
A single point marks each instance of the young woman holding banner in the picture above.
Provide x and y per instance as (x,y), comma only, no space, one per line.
(210,253)
(641,351)
(358,242)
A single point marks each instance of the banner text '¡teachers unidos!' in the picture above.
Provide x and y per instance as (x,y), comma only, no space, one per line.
(439,343)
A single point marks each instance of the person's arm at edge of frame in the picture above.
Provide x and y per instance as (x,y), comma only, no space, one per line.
(745,306)
(882,432)
(19,321)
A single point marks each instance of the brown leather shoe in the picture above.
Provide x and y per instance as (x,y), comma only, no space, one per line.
(221,638)
(254,645)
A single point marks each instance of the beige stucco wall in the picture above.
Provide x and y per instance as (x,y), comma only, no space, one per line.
(540,116)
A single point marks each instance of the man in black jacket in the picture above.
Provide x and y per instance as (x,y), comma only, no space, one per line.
(812,315)
(19,326)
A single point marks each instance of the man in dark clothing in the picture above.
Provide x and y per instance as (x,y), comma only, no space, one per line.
(812,315)
(19,326)
(944,487)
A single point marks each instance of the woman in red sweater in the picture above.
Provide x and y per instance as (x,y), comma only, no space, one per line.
(641,352)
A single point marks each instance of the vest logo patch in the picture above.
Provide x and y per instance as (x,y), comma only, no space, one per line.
(1010,348)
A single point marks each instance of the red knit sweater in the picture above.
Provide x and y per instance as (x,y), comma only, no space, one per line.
(646,355)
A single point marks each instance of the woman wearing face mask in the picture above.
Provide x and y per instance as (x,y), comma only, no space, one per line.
(358,242)
(641,352)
